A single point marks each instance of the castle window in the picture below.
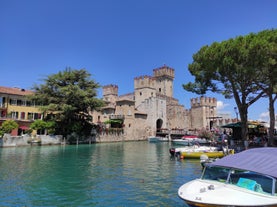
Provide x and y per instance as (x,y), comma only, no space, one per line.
(140,93)
(129,125)
(160,90)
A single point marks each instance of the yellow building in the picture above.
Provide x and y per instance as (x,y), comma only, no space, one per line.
(14,105)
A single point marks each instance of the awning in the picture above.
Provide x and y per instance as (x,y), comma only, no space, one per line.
(238,124)
(24,127)
(232,125)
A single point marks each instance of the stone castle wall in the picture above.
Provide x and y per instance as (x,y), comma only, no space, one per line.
(155,107)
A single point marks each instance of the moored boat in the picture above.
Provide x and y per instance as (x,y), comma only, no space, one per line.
(196,151)
(158,139)
(244,179)
(189,140)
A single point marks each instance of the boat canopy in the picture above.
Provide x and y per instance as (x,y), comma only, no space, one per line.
(261,160)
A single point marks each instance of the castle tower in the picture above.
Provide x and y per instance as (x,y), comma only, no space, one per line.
(164,80)
(110,93)
(203,112)
(144,88)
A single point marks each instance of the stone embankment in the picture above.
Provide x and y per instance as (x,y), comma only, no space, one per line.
(27,140)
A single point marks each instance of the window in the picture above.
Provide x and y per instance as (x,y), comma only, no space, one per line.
(13,101)
(14,114)
(30,116)
(22,115)
(19,102)
(37,116)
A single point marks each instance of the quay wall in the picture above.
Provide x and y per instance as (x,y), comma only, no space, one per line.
(118,137)
(24,140)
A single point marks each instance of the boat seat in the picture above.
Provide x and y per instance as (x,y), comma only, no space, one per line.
(247,183)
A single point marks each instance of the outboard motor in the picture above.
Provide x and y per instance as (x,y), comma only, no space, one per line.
(172,152)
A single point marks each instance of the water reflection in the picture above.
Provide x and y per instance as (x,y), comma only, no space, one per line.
(114,174)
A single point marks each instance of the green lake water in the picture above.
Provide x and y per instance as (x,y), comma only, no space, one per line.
(110,174)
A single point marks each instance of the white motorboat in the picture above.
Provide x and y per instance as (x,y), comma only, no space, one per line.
(244,179)
(158,139)
(189,140)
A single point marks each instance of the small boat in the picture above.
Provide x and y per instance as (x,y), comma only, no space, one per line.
(196,151)
(189,140)
(158,139)
(244,179)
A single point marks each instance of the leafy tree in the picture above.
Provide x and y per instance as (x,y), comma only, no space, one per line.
(67,98)
(229,68)
(8,126)
(38,125)
(267,72)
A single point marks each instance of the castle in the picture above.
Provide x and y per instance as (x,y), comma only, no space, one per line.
(151,108)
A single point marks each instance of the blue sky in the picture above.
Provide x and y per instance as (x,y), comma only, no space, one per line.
(118,40)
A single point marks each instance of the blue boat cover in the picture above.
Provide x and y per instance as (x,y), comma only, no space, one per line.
(261,160)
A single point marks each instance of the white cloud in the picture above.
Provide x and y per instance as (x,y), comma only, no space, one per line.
(220,105)
(264,116)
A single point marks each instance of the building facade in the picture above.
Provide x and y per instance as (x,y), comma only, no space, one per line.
(14,105)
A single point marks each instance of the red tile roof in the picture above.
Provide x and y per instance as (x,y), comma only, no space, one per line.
(15,91)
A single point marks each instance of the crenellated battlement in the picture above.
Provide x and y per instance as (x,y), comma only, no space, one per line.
(144,82)
(203,101)
(110,90)
(164,71)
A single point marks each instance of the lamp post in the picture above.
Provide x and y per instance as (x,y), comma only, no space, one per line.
(236,111)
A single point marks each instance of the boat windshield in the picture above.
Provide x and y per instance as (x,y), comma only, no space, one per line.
(215,173)
(242,178)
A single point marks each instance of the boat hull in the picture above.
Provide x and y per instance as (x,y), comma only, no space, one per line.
(196,152)
(158,139)
(197,155)
(199,193)
(195,204)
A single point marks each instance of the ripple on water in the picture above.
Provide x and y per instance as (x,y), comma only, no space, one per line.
(117,174)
